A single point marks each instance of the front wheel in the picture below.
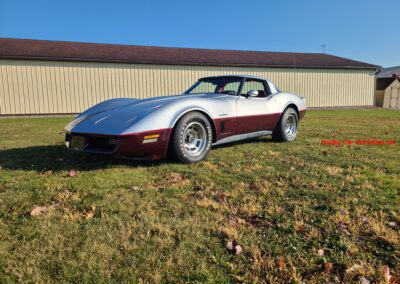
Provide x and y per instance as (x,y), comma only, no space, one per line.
(286,129)
(192,138)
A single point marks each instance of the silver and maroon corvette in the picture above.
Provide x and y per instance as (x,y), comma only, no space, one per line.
(215,110)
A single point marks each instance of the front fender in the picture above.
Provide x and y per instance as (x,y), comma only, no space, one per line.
(163,119)
(166,116)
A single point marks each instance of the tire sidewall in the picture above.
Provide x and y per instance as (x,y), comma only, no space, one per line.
(286,114)
(178,139)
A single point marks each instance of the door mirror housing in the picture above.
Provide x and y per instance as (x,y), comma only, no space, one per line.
(252,93)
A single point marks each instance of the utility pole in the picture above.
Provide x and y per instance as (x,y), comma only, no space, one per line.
(323,48)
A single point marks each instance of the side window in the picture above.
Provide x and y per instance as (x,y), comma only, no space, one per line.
(232,87)
(259,86)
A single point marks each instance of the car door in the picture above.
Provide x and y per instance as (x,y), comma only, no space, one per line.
(225,123)
(255,113)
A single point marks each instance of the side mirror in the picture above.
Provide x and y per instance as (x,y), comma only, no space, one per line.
(252,93)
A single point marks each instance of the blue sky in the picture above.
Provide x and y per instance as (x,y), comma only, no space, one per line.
(364,30)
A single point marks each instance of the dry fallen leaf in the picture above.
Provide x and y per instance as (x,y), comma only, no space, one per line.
(229,245)
(281,263)
(232,222)
(220,197)
(238,249)
(89,215)
(328,267)
(346,232)
(385,271)
(46,173)
(273,154)
(72,173)
(343,227)
(354,268)
(300,229)
(234,247)
(321,252)
(363,280)
(38,210)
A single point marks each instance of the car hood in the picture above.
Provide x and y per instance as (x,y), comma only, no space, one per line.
(116,119)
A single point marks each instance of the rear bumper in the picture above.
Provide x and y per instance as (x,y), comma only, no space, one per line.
(302,113)
(142,145)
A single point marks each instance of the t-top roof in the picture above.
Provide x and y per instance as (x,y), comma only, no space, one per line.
(115,53)
(239,76)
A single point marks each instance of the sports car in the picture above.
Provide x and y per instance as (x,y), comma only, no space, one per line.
(215,110)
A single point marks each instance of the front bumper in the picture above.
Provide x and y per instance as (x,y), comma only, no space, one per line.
(144,145)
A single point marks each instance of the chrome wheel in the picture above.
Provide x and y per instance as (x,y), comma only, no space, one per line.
(291,126)
(194,138)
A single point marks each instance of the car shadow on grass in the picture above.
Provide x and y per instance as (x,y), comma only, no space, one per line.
(57,158)
(247,141)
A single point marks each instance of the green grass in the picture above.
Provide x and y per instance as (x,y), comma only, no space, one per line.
(125,221)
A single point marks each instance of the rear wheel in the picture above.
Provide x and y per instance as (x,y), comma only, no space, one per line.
(286,129)
(192,138)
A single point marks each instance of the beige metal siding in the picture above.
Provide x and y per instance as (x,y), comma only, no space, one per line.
(49,87)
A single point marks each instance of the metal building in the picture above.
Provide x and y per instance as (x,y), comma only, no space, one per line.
(51,77)
(388,88)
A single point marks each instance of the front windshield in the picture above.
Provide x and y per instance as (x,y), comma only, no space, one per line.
(221,85)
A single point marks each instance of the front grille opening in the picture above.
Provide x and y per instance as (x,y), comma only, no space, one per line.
(93,144)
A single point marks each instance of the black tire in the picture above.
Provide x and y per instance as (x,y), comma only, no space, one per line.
(192,138)
(286,129)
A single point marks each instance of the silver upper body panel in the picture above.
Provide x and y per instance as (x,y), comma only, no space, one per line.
(126,116)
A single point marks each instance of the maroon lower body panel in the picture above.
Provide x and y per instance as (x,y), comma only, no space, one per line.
(132,145)
(230,126)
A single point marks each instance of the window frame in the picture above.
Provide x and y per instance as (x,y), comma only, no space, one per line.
(235,79)
(263,82)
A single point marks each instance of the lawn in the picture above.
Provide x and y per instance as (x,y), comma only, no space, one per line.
(300,211)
